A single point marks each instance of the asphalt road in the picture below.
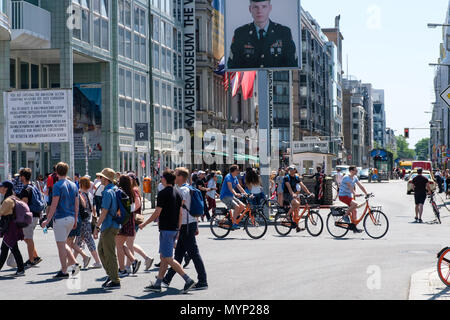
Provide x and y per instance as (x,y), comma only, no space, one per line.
(294,267)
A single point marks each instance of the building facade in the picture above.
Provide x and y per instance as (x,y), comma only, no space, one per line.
(379,119)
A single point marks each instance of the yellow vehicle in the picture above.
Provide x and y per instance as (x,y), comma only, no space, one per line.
(407,165)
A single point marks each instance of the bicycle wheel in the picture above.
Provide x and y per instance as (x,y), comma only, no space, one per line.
(443,267)
(376,224)
(256,225)
(283,224)
(437,213)
(314,224)
(220,225)
(334,229)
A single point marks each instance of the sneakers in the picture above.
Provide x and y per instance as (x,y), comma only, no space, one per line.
(19,274)
(96,266)
(187,260)
(75,269)
(346,219)
(112,286)
(153,288)
(61,275)
(108,280)
(136,265)
(354,229)
(28,264)
(123,273)
(235,227)
(158,265)
(188,286)
(148,263)
(420,221)
(298,229)
(165,282)
(37,260)
(200,286)
(86,262)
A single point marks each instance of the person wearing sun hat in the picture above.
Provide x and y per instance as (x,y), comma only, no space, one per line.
(109,230)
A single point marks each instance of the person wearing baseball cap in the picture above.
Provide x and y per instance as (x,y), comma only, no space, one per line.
(109,230)
(290,195)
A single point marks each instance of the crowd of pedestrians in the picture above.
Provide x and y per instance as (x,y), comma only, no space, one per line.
(107,211)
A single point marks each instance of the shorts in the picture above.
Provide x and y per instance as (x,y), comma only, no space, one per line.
(28,232)
(62,228)
(287,198)
(211,203)
(347,200)
(231,202)
(167,243)
(76,232)
(420,198)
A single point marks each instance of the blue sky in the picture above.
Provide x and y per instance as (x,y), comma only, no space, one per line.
(389,45)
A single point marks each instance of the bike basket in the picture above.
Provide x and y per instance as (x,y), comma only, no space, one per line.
(222,211)
(338,212)
(378,208)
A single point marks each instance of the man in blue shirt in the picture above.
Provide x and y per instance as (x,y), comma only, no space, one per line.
(64,211)
(229,196)
(346,192)
(109,230)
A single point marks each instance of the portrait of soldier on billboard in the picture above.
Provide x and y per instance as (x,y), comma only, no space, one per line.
(263,43)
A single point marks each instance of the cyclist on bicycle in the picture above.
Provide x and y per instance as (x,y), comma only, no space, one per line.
(229,196)
(290,194)
(346,193)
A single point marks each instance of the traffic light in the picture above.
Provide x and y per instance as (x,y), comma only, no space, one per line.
(407,133)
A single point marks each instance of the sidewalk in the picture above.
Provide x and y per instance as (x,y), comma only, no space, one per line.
(426,285)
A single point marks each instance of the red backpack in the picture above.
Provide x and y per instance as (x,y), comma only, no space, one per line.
(22,213)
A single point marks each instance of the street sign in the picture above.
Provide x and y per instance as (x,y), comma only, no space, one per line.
(142,133)
(446,96)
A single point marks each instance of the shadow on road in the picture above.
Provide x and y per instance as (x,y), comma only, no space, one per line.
(6,278)
(89,292)
(51,280)
(153,295)
(443,293)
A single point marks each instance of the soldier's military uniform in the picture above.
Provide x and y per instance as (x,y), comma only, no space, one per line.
(272,49)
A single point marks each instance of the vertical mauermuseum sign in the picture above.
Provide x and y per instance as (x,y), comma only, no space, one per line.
(189,43)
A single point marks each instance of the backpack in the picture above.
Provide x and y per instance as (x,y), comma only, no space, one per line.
(283,184)
(197,204)
(22,213)
(37,204)
(124,204)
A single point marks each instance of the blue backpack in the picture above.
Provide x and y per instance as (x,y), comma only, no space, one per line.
(37,204)
(197,204)
(124,204)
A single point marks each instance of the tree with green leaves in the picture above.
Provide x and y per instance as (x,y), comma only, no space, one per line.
(423,149)
(403,150)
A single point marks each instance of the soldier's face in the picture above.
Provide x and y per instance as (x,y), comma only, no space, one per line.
(260,11)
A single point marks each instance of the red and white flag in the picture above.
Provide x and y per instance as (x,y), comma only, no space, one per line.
(236,84)
(248,82)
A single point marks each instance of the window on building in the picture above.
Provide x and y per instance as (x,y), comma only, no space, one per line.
(157,120)
(12,73)
(156,62)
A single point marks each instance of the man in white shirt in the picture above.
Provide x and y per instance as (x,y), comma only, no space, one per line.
(186,236)
(339,178)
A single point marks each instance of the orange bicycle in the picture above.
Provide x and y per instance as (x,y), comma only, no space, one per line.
(376,224)
(284,222)
(255,223)
(443,266)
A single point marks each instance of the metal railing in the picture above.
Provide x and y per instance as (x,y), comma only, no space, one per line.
(26,16)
